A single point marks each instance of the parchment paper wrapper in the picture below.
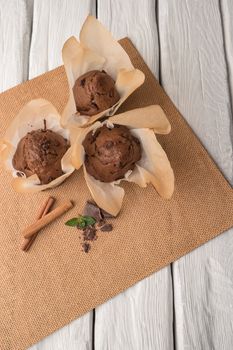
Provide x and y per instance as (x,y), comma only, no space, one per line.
(55,282)
(31,117)
(153,167)
(97,50)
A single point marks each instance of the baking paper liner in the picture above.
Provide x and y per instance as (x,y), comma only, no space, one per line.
(153,167)
(31,117)
(97,50)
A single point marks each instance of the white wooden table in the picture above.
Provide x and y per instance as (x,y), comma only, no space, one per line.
(188,44)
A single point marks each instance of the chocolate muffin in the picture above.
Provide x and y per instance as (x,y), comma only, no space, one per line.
(95,92)
(40,152)
(110,153)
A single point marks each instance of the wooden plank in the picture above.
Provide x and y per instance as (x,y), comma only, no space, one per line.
(226,8)
(75,336)
(141,317)
(53,22)
(130,18)
(15,34)
(194,74)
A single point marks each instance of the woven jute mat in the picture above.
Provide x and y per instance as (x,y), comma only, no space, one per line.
(55,282)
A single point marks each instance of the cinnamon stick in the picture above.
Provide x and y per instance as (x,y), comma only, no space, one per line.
(45,208)
(47,219)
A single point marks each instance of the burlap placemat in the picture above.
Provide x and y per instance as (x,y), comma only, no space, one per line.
(55,282)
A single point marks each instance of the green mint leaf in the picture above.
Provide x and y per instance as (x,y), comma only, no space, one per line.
(72,222)
(81,221)
(89,220)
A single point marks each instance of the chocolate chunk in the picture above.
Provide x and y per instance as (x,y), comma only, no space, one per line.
(106,228)
(106,215)
(86,247)
(92,209)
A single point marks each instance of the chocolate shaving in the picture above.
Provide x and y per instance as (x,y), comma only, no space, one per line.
(45,125)
(19,174)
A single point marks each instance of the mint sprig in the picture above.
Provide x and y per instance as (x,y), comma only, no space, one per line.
(81,222)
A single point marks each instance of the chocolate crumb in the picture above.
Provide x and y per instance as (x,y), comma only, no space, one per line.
(89,233)
(86,247)
(82,82)
(106,228)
